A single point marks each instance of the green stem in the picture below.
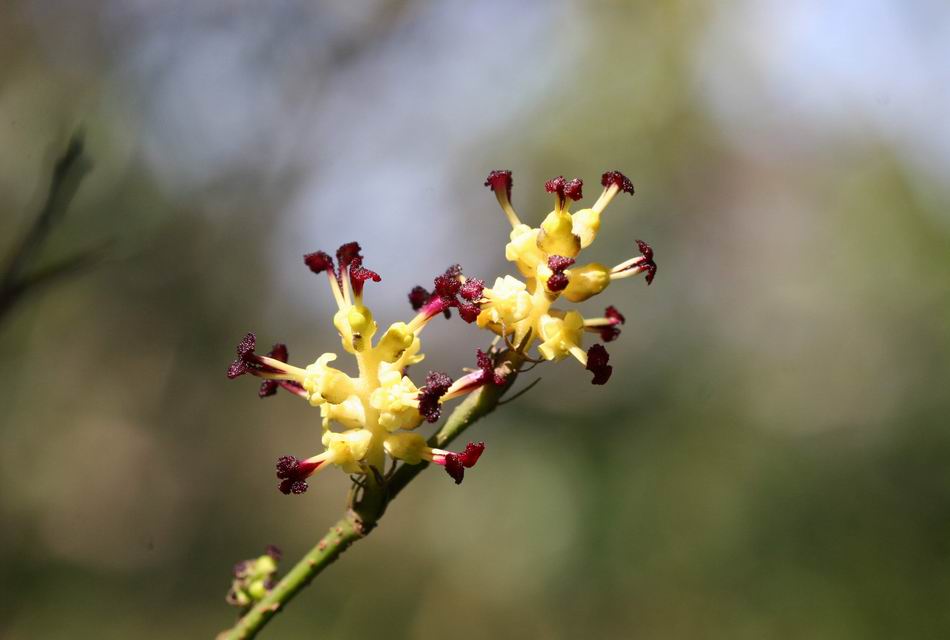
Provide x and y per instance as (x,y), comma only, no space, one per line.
(368,508)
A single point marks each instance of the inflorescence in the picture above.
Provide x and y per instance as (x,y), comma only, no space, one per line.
(522,311)
(375,415)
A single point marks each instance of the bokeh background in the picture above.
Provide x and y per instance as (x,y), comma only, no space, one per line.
(770,459)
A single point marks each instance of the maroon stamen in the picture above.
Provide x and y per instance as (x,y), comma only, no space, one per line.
(472,289)
(245,351)
(293,474)
(319,262)
(269,387)
(617,179)
(473,451)
(453,467)
(649,265)
(573,189)
(611,332)
(597,358)
(558,280)
(274,552)
(498,180)
(564,189)
(612,314)
(435,387)
(556,185)
(487,365)
(456,463)
(247,361)
(359,275)
(346,254)
(448,287)
(418,297)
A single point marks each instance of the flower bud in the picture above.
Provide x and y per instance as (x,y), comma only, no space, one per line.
(586,281)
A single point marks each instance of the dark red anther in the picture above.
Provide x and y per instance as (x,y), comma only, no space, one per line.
(346,254)
(498,180)
(293,474)
(472,289)
(454,467)
(274,552)
(418,297)
(573,189)
(487,365)
(245,353)
(359,275)
(556,185)
(269,387)
(597,358)
(558,281)
(612,314)
(449,286)
(435,387)
(564,188)
(473,451)
(648,265)
(456,463)
(469,311)
(611,332)
(319,262)
(617,179)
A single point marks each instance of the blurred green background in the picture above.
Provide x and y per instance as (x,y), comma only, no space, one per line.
(770,459)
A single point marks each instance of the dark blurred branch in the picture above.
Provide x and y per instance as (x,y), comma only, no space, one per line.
(367,507)
(15,282)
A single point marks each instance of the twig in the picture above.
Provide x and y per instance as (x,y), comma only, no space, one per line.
(361,518)
(523,391)
(68,173)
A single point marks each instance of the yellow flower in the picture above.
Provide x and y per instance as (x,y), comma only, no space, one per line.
(546,256)
(507,302)
(560,335)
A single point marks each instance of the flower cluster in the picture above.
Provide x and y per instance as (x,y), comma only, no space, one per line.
(253,578)
(373,415)
(546,256)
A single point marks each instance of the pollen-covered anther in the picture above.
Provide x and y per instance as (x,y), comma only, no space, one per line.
(245,353)
(249,362)
(487,366)
(486,373)
(293,474)
(597,358)
(437,384)
(500,181)
(558,280)
(574,189)
(643,263)
(456,463)
(347,253)
(318,262)
(269,387)
(556,186)
(359,275)
(617,180)
(607,325)
(650,265)
(472,289)
(565,188)
(451,289)
(418,297)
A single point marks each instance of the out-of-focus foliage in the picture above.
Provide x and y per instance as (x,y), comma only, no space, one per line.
(770,458)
